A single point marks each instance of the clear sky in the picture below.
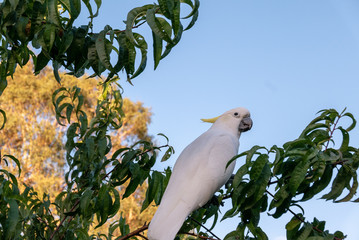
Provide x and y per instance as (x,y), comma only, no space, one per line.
(283,60)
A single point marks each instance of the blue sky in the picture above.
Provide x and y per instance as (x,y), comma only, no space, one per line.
(283,60)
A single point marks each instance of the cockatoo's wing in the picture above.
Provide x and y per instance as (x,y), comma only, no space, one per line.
(198,173)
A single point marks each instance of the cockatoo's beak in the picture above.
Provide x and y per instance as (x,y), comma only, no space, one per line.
(245,125)
(210,120)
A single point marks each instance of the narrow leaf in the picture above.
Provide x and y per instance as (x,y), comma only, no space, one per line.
(4,119)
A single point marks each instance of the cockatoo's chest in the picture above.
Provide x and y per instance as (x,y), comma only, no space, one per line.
(215,172)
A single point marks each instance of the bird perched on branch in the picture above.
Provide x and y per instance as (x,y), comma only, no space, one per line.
(199,172)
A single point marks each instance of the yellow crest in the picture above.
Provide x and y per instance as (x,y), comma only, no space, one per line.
(210,120)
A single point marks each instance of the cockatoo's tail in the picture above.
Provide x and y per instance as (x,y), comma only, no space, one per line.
(200,170)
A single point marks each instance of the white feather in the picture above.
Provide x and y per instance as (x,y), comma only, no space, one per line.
(199,172)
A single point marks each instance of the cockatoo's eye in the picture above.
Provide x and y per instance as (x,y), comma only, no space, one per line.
(236,114)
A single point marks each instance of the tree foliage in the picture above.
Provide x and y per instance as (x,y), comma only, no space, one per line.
(48,26)
(100,173)
(33,133)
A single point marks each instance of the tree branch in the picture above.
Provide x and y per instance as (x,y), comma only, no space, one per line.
(300,219)
(148,150)
(78,201)
(332,131)
(204,228)
(198,236)
(63,220)
(134,233)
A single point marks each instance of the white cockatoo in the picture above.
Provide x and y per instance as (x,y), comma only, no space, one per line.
(199,172)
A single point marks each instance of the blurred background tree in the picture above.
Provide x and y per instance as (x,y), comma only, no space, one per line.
(33,133)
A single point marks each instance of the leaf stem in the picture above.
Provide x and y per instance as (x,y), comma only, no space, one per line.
(300,219)
(198,236)
(134,233)
(204,228)
(63,220)
(144,152)
(332,131)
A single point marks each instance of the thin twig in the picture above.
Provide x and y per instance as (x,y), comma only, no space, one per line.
(120,31)
(78,201)
(332,131)
(148,150)
(199,236)
(140,235)
(134,233)
(63,220)
(214,235)
(299,218)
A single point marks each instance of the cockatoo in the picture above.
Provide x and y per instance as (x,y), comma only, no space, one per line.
(199,172)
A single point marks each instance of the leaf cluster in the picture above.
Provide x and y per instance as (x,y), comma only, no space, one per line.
(300,170)
(48,26)
(92,179)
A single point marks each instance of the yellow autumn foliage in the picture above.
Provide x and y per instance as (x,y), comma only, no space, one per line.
(32,135)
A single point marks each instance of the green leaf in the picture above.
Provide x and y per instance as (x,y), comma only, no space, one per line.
(262,183)
(249,155)
(101,48)
(59,100)
(176,39)
(132,16)
(153,187)
(55,94)
(352,190)
(13,217)
(243,170)
(53,12)
(3,81)
(234,235)
(90,145)
(345,142)
(73,7)
(193,21)
(339,183)
(294,223)
(176,17)
(83,123)
(257,231)
(16,161)
(85,201)
(116,204)
(166,7)
(132,186)
(298,175)
(159,25)
(56,66)
(141,42)
(293,226)
(194,7)
(21,28)
(280,196)
(69,110)
(102,147)
(320,184)
(312,127)
(306,231)
(49,35)
(4,117)
(41,61)
(161,134)
(81,234)
(352,126)
(157,49)
(103,205)
(258,166)
(167,154)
